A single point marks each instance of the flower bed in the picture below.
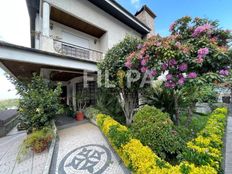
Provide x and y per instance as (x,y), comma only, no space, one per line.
(140,159)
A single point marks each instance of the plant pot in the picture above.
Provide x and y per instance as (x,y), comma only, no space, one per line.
(40,146)
(79,116)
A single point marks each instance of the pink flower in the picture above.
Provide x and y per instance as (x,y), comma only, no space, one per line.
(172,62)
(183,67)
(192,75)
(181,81)
(158,44)
(202,52)
(153,73)
(128,64)
(178,44)
(139,46)
(164,66)
(172,26)
(144,69)
(200,60)
(143,62)
(201,29)
(224,72)
(169,84)
(169,76)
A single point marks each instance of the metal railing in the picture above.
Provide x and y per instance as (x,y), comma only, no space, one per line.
(68,49)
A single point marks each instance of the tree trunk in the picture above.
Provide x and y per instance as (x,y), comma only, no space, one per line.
(190,114)
(177,111)
(128,102)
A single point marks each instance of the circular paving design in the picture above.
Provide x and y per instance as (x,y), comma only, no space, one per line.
(92,158)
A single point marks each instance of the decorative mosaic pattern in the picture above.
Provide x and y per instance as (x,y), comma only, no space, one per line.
(87,159)
(82,149)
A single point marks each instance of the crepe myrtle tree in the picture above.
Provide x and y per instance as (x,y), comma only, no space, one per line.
(196,52)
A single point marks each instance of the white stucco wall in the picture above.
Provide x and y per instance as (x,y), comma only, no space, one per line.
(90,13)
(58,29)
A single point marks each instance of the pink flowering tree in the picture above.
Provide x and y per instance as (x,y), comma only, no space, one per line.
(195,52)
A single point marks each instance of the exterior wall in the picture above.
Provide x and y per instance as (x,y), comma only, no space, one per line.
(57,33)
(85,10)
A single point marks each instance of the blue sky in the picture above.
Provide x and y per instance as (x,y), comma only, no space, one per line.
(168,11)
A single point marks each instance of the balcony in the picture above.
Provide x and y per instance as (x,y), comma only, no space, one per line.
(76,51)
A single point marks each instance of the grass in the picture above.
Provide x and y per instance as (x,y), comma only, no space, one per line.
(190,131)
(4,104)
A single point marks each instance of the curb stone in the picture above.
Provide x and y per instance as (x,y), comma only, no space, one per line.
(50,153)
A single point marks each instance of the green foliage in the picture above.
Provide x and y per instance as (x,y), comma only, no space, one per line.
(163,98)
(115,59)
(40,102)
(160,97)
(206,148)
(107,103)
(4,104)
(119,137)
(188,132)
(91,112)
(37,141)
(155,129)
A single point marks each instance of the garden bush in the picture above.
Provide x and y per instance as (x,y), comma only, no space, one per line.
(140,159)
(39,103)
(206,148)
(155,129)
(91,112)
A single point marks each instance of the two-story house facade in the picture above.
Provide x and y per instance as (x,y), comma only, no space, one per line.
(69,37)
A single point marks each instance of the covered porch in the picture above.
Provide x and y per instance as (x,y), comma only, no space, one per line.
(22,63)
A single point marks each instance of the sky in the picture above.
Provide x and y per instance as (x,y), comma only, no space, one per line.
(14,28)
(14,21)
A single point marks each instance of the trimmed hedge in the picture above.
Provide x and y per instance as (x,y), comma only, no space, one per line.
(206,148)
(155,129)
(140,159)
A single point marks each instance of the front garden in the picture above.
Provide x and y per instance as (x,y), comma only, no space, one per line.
(201,155)
(158,82)
(146,105)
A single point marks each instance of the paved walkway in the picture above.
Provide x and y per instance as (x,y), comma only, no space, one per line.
(9,148)
(82,149)
(228,150)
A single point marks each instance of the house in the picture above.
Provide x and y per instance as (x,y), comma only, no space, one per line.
(69,37)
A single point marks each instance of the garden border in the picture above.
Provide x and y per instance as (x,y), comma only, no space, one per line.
(51,151)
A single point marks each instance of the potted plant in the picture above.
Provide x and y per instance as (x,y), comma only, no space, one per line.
(81,100)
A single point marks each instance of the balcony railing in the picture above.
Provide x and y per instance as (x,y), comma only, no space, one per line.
(68,49)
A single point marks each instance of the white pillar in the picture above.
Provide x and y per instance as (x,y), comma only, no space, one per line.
(46,19)
(74,97)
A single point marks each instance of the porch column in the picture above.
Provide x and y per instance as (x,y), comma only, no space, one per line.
(74,97)
(46,19)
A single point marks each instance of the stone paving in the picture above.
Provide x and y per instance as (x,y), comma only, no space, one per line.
(9,148)
(82,149)
(228,150)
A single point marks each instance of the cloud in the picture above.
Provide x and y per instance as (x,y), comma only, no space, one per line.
(136,3)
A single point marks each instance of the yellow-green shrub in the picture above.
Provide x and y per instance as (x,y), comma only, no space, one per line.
(206,148)
(141,159)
